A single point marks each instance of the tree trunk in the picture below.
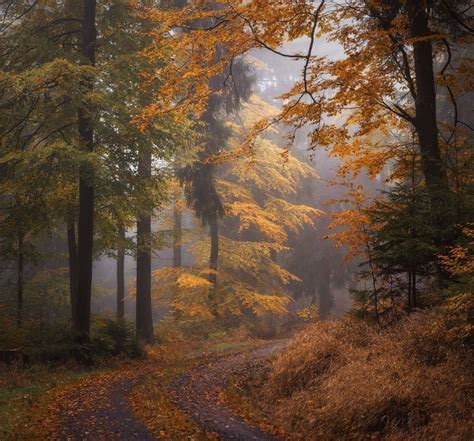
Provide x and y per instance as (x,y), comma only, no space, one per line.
(86,190)
(324,289)
(410,290)
(144,318)
(214,255)
(413,286)
(213,261)
(121,277)
(177,237)
(20,279)
(426,127)
(177,251)
(72,251)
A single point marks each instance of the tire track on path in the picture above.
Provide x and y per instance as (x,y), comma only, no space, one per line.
(198,393)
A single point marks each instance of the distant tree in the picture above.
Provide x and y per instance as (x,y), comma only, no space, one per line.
(258,220)
(198,179)
(121,275)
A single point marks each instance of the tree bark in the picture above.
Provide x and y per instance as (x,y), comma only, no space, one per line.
(177,237)
(20,279)
(426,126)
(72,251)
(144,317)
(121,277)
(86,189)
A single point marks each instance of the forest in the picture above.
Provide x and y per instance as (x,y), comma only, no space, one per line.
(236,220)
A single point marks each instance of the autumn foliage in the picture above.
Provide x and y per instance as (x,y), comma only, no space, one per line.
(142,147)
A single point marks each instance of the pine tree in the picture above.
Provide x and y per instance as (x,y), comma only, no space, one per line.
(403,242)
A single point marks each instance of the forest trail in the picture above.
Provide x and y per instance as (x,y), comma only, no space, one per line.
(199,394)
(97,408)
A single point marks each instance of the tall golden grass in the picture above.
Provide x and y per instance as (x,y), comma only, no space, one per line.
(347,380)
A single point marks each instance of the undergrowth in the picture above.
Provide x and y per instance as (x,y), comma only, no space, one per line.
(25,394)
(346,379)
(54,343)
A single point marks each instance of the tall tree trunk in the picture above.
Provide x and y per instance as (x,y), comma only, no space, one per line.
(72,251)
(86,189)
(177,237)
(20,279)
(426,126)
(144,318)
(121,277)
(213,261)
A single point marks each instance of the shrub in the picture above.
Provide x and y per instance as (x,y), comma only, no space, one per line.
(347,380)
(41,342)
(113,337)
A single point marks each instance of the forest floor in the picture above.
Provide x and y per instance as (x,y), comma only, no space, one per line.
(176,393)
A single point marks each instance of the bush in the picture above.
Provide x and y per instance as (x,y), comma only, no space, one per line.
(269,326)
(41,342)
(347,380)
(113,337)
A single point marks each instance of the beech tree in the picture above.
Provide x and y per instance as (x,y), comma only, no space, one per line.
(41,136)
(385,80)
(86,187)
(258,219)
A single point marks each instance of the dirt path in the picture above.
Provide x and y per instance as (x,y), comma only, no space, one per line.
(97,409)
(199,393)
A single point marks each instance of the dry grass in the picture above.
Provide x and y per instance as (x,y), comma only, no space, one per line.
(345,380)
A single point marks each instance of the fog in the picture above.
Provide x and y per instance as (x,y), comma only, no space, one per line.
(326,276)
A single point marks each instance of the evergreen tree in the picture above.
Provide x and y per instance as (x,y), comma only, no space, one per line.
(403,243)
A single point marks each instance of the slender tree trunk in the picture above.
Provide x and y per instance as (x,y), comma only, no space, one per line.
(86,190)
(177,237)
(72,251)
(426,126)
(121,277)
(409,290)
(324,291)
(20,279)
(413,286)
(213,261)
(144,318)
(214,255)
(372,272)
(177,251)
(392,298)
